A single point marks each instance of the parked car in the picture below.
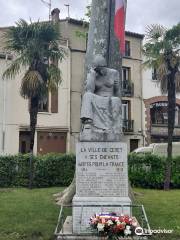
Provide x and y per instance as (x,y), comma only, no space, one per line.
(144,150)
(159,149)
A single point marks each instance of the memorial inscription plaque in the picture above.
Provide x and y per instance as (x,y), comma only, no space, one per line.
(101,171)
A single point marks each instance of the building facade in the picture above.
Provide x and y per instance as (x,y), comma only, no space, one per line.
(156,110)
(58,123)
(132,108)
(53,117)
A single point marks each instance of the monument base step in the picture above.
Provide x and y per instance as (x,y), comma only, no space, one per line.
(66,233)
(86,207)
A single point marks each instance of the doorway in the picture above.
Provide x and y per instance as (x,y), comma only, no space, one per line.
(134,143)
(48,142)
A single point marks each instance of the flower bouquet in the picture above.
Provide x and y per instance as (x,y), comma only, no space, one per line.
(113,226)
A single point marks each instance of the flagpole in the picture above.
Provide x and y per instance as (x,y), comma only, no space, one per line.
(109,32)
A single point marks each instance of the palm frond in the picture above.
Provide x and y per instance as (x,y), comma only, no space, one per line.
(155,32)
(15,67)
(154,47)
(164,85)
(56,52)
(31,85)
(49,32)
(15,37)
(54,77)
(162,71)
(20,37)
(36,44)
(162,76)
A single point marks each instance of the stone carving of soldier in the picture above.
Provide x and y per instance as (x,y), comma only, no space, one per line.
(101,104)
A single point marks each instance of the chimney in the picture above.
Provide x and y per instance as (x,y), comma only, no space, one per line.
(55,15)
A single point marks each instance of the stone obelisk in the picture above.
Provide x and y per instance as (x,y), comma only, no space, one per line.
(101,37)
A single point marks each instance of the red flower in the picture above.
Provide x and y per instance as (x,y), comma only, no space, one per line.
(121,218)
(126,219)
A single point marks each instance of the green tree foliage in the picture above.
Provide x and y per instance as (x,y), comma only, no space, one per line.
(162,53)
(88,12)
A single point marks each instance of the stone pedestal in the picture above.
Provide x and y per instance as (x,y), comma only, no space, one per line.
(101,182)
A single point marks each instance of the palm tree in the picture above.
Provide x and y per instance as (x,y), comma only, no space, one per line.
(37,52)
(162,53)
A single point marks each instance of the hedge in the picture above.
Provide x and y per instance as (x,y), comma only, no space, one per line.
(147,171)
(49,170)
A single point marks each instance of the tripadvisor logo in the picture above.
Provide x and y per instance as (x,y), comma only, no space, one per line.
(143,231)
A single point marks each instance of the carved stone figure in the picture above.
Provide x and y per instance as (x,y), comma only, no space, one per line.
(101,105)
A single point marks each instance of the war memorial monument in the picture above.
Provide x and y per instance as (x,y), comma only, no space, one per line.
(101,156)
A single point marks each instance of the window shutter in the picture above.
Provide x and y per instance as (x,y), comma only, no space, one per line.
(54,101)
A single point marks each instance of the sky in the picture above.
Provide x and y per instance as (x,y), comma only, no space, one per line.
(140,13)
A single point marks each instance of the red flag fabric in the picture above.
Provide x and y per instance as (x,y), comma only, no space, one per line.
(119,24)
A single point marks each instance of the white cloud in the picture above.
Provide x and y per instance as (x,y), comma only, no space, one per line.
(139,12)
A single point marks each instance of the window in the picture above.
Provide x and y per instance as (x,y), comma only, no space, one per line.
(9,57)
(2,56)
(43,105)
(127,85)
(6,56)
(126,77)
(154,74)
(159,113)
(23,147)
(125,110)
(126,74)
(128,124)
(177,116)
(24,142)
(54,101)
(127,49)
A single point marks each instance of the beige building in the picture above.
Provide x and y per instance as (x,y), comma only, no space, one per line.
(156,111)
(58,119)
(132,108)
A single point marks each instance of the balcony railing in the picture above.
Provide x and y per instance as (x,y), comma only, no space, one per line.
(127,89)
(128,125)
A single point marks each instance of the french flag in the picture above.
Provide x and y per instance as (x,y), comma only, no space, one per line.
(119,24)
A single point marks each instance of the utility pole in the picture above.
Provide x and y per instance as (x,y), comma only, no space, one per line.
(4,110)
(67,5)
